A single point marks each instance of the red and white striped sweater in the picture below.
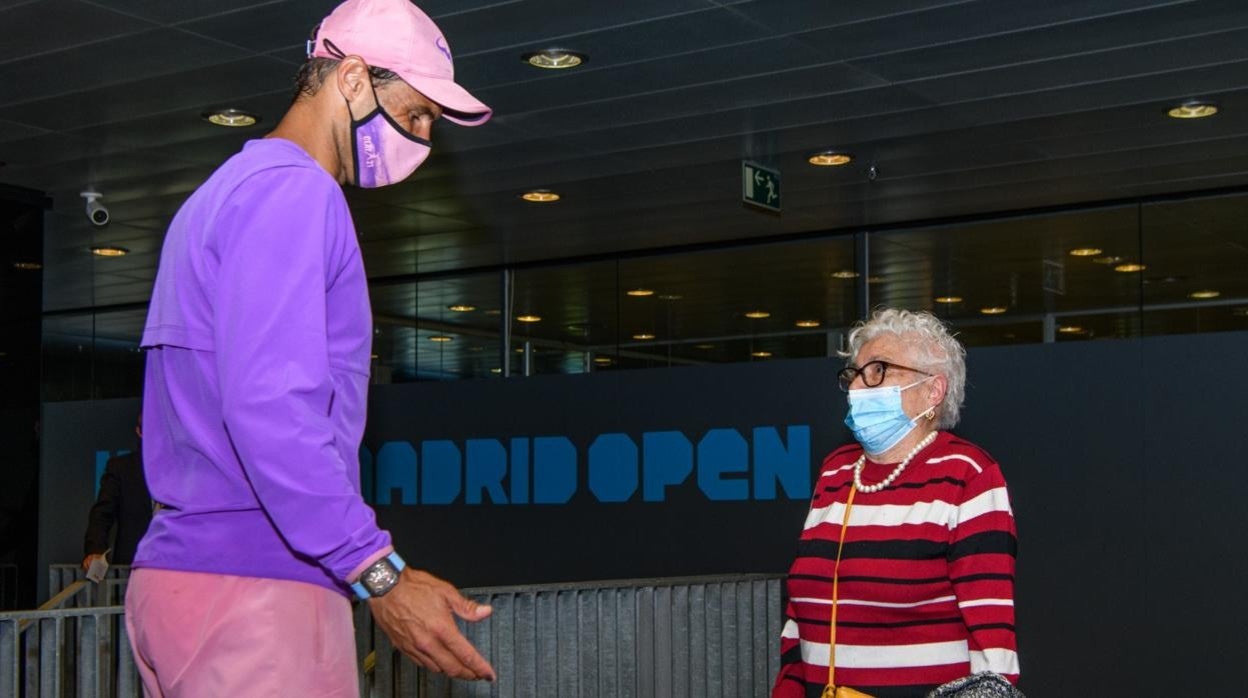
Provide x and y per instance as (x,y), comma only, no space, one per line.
(926,580)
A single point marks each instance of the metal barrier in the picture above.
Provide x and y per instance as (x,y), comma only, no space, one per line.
(66,652)
(700,636)
(74,644)
(110,592)
(697,636)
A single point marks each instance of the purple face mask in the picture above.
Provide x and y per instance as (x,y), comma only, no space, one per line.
(385,153)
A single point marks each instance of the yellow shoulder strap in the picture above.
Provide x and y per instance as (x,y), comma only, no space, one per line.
(836,574)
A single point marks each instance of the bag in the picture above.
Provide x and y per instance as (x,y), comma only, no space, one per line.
(843,692)
(984,685)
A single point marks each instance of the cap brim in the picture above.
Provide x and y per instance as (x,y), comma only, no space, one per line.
(457,105)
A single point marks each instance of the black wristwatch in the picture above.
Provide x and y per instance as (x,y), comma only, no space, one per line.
(380,577)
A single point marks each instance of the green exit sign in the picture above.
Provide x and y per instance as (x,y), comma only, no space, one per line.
(760,186)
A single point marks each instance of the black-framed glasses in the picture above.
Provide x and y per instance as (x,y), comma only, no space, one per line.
(872,372)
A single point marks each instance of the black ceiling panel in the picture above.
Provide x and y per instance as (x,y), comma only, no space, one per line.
(117,62)
(529,26)
(48,26)
(265,26)
(10,131)
(166,12)
(191,90)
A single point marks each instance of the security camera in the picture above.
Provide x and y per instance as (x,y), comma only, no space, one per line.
(96,211)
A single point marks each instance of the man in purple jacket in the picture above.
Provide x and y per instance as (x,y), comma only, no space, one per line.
(259,339)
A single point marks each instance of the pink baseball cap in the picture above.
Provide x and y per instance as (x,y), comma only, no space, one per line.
(396,35)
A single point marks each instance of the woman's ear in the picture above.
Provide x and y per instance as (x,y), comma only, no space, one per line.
(940,386)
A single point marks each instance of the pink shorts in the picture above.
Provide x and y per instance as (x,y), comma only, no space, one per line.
(198,634)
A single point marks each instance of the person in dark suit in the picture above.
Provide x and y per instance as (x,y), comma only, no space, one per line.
(123,503)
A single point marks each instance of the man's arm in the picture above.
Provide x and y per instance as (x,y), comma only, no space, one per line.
(273,363)
(981,567)
(102,516)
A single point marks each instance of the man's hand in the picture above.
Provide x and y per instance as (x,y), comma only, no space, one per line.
(86,561)
(417,615)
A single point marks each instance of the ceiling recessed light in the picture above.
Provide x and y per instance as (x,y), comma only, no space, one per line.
(1108,260)
(761,354)
(1085,252)
(948,300)
(704,347)
(758,314)
(374,357)
(1070,329)
(233,118)
(845,274)
(830,158)
(993,310)
(493,311)
(528,318)
(807,323)
(540,196)
(875,279)
(440,338)
(554,59)
(643,336)
(1204,295)
(27,266)
(461,308)
(670,297)
(1194,109)
(640,292)
(496,370)
(109,251)
(1129,268)
(602,360)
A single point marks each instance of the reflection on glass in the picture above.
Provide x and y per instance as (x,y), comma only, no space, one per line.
(1014,280)
(93,356)
(1197,253)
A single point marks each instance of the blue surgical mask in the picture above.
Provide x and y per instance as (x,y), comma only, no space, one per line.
(877,419)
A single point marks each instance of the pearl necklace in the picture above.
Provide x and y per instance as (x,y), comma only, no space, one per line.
(862,461)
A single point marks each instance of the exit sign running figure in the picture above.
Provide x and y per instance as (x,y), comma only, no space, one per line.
(760,186)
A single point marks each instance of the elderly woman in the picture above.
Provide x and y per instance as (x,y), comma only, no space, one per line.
(904,577)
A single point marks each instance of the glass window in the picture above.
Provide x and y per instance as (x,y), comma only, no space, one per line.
(1197,257)
(93,356)
(1059,277)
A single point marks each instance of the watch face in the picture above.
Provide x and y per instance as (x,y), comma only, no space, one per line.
(380,577)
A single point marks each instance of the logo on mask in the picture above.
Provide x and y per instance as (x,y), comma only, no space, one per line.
(441,44)
(370,151)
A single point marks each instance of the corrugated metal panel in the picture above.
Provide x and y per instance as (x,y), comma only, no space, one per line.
(695,637)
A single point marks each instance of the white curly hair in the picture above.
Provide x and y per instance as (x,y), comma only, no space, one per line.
(938,352)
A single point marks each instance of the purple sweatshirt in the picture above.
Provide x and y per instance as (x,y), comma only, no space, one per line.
(259,337)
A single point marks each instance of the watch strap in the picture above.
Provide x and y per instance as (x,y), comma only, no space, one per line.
(362,591)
